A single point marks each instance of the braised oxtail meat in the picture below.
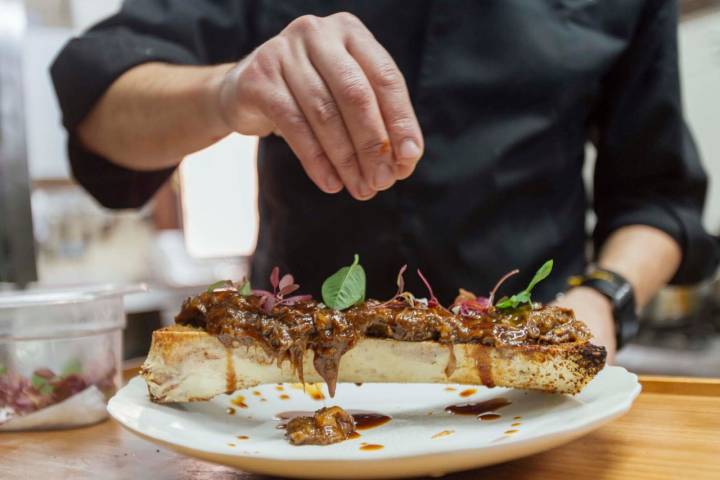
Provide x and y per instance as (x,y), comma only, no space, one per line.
(326,426)
(286,332)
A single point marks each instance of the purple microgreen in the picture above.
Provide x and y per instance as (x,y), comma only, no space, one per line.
(282,286)
(500,282)
(275,278)
(262,293)
(288,289)
(286,280)
(296,299)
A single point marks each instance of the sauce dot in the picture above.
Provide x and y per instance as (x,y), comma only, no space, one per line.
(450,389)
(284,396)
(239,402)
(444,433)
(510,432)
(516,424)
(372,446)
(231,444)
(279,388)
(230,411)
(257,393)
(468,392)
(242,437)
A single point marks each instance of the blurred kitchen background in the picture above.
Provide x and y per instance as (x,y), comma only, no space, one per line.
(52,233)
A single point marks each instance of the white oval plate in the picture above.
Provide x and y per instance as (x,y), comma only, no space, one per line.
(411,446)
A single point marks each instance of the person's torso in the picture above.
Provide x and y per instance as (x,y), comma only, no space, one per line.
(504,91)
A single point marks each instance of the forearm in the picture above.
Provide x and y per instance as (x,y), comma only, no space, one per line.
(645,256)
(155,114)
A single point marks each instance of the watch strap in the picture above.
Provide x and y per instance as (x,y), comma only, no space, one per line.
(622,297)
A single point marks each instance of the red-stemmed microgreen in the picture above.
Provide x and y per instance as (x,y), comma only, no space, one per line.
(467,303)
(408,298)
(491,298)
(524,298)
(433,302)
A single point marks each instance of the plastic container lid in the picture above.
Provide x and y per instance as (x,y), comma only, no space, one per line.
(73,311)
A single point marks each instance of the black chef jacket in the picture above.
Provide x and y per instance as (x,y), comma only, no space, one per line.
(507,92)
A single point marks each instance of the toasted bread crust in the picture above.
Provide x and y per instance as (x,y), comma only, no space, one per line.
(187,364)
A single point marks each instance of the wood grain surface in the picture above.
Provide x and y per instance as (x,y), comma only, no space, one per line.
(672,431)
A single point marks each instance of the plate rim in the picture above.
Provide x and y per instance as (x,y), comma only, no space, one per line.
(581,427)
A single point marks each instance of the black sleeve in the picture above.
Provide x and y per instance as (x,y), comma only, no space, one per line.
(182,32)
(648,169)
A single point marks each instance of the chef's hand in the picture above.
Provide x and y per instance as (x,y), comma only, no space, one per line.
(595,310)
(338,99)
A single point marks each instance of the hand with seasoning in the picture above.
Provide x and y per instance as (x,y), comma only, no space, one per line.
(338,99)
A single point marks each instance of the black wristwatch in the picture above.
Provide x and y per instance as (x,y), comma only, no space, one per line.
(621,295)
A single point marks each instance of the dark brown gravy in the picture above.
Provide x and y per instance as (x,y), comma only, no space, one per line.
(368,420)
(478,408)
(364,420)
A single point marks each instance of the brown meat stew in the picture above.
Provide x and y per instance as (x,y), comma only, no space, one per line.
(287,331)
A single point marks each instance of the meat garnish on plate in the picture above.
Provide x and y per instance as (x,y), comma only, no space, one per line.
(232,337)
(327,425)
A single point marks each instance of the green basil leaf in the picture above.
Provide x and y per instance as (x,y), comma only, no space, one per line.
(505,302)
(72,367)
(41,385)
(245,289)
(540,275)
(346,287)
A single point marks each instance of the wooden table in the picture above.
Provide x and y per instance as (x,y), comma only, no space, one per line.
(672,431)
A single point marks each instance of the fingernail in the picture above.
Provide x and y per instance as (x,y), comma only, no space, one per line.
(332,182)
(383,176)
(409,149)
(364,190)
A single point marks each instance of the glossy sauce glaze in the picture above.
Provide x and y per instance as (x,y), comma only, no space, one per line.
(478,408)
(488,417)
(286,332)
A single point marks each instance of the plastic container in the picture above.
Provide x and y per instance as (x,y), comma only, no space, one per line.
(60,355)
